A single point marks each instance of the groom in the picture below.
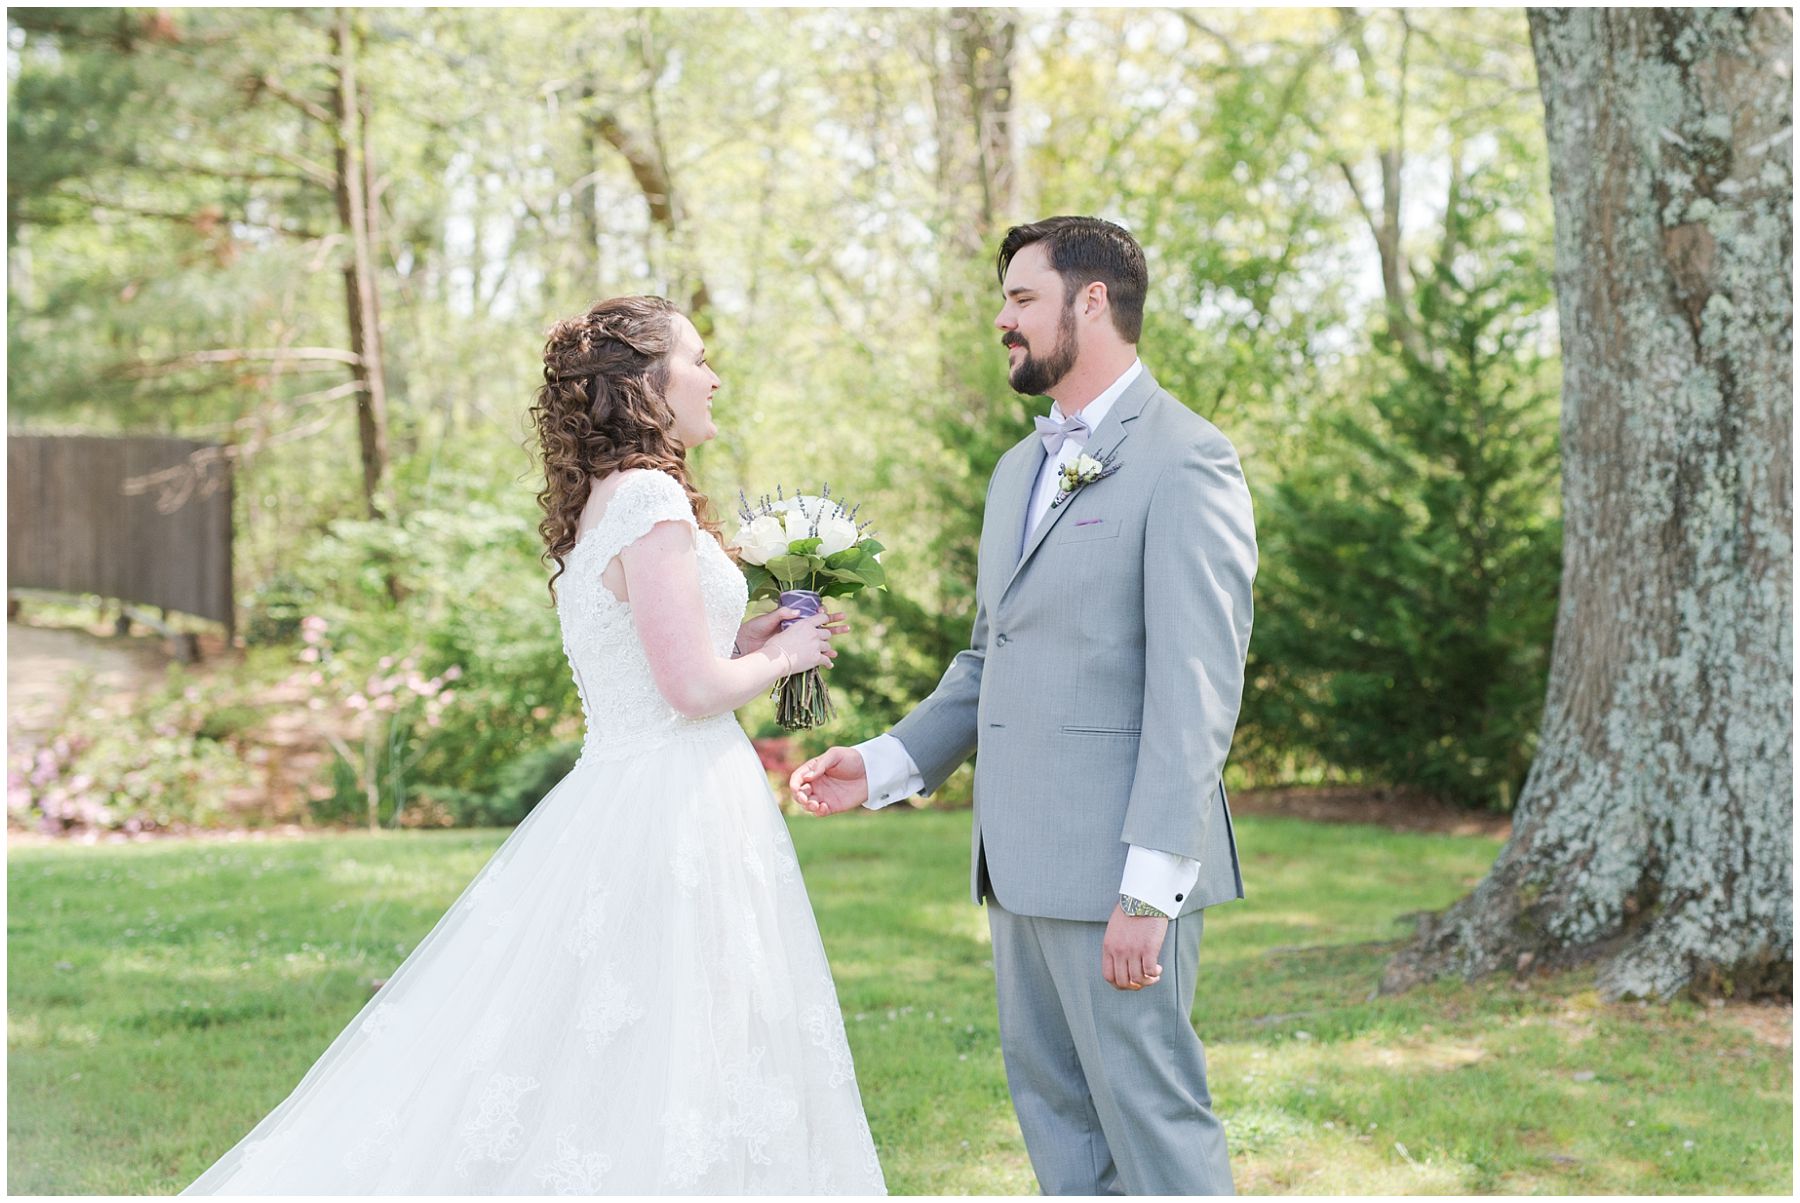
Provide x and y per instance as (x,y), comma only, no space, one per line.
(1100,688)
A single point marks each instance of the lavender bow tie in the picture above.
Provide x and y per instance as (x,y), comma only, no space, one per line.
(1054,433)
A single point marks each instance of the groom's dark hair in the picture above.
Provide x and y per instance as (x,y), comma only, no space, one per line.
(1083,250)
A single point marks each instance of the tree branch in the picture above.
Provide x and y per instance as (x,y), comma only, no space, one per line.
(186,219)
(275,88)
(651,179)
(1198,26)
(286,356)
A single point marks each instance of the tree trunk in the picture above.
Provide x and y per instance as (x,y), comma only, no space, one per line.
(972,55)
(972,107)
(972,103)
(650,168)
(588,216)
(359,280)
(645,154)
(1384,224)
(1654,834)
(371,206)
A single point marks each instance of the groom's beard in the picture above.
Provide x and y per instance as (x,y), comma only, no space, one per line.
(1034,377)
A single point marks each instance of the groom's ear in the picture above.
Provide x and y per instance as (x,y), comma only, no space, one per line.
(1094,299)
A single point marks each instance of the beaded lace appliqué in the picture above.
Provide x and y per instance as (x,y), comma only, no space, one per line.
(574,1171)
(495,1132)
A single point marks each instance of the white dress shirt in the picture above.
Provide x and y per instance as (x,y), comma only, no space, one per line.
(1151,875)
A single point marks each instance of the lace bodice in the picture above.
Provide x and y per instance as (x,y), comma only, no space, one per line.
(623,710)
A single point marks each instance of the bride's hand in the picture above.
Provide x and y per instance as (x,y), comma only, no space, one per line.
(806,644)
(757,631)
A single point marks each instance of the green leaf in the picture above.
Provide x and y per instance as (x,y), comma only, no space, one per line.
(804,547)
(760,580)
(790,568)
(848,576)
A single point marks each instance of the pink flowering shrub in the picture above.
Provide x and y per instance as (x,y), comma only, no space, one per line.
(162,764)
(374,714)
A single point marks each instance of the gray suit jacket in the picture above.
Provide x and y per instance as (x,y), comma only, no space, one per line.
(1102,682)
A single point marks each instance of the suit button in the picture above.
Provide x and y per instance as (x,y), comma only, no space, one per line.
(1178,897)
(1000,639)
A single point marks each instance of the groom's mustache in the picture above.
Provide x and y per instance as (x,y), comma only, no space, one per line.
(1013,339)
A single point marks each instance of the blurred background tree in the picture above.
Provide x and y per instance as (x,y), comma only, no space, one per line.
(1346,214)
(1410,557)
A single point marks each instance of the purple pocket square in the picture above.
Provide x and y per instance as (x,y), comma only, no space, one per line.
(1089,521)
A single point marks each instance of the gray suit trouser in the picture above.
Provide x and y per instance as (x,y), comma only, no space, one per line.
(1109,1085)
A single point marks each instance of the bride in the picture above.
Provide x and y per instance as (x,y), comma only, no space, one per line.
(631,996)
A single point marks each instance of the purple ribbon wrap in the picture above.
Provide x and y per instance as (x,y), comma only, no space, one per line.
(803,600)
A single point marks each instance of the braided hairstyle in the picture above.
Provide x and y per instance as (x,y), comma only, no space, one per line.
(601,410)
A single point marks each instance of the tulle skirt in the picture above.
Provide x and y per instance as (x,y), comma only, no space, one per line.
(630,997)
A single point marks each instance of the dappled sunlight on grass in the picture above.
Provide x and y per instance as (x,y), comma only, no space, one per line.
(1333,1164)
(200,981)
(1411,1055)
(901,979)
(34,1032)
(26,1031)
(1504,1092)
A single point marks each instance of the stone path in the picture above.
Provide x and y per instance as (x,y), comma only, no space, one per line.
(44,664)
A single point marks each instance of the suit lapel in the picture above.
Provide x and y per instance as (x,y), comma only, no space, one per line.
(1104,441)
(1005,519)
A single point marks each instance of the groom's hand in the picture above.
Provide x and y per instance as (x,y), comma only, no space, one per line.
(833,781)
(1130,953)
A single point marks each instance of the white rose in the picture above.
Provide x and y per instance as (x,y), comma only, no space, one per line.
(799,526)
(837,532)
(1086,467)
(762,539)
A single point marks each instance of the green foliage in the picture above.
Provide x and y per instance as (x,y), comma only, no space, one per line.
(843,574)
(168,195)
(518,786)
(458,589)
(1410,562)
(911,631)
(228,720)
(274,607)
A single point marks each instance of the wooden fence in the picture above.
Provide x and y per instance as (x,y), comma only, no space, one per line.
(137,518)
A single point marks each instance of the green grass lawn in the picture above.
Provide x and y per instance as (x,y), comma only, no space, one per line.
(162,997)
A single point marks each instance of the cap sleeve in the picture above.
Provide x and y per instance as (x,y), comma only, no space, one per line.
(644,498)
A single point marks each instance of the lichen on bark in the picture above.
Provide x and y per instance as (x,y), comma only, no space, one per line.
(1654,833)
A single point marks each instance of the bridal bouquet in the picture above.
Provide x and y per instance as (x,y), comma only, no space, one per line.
(800,550)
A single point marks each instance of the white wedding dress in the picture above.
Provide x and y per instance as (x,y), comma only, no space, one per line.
(630,997)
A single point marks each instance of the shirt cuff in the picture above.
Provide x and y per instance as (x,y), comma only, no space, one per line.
(1162,879)
(890,771)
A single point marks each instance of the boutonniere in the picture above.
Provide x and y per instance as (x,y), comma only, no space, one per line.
(1080,472)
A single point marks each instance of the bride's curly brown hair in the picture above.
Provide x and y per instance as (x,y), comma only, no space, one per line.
(601,410)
